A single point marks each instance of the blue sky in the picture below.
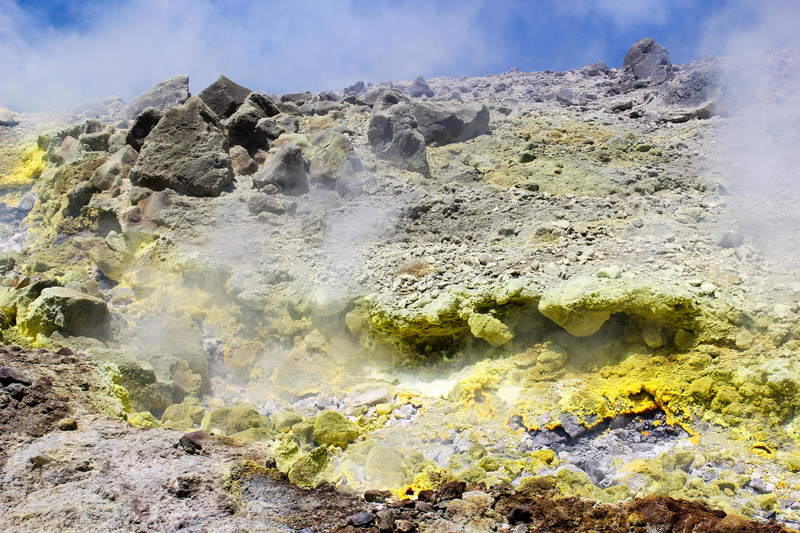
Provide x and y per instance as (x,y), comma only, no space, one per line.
(56,54)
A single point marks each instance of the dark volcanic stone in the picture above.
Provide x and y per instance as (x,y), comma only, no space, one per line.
(10,375)
(451,491)
(224,97)
(185,152)
(519,513)
(419,87)
(361,519)
(143,124)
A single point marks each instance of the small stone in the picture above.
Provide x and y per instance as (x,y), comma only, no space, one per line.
(361,519)
(67,424)
(782,310)
(708,288)
(612,272)
(744,340)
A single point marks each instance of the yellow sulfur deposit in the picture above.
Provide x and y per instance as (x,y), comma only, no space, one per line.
(17,174)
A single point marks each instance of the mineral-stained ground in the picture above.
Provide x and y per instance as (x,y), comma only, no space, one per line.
(549,301)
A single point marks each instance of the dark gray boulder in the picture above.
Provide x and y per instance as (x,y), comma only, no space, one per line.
(143,124)
(648,60)
(162,96)
(224,97)
(250,126)
(186,152)
(297,97)
(287,170)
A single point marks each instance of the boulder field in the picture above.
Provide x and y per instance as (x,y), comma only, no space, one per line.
(547,301)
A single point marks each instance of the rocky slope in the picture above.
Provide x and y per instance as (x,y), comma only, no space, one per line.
(544,301)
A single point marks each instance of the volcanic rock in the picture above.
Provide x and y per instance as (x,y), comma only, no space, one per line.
(68,311)
(287,170)
(115,169)
(142,125)
(250,126)
(162,96)
(648,60)
(419,87)
(224,97)
(186,151)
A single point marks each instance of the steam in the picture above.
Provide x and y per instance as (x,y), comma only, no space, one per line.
(759,145)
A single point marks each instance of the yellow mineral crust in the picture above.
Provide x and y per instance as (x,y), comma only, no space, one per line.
(19,168)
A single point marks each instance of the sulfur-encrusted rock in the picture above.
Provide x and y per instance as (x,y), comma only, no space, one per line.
(583,304)
(232,420)
(387,468)
(68,311)
(186,151)
(308,469)
(489,328)
(333,429)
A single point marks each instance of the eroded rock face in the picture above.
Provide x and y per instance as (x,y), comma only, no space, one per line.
(162,96)
(400,128)
(583,304)
(185,152)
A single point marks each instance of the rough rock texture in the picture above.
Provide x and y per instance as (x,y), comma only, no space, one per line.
(648,60)
(186,152)
(224,97)
(287,170)
(162,96)
(68,311)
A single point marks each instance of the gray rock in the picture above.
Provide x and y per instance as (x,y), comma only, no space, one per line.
(357,88)
(185,152)
(289,123)
(116,168)
(392,134)
(224,97)
(162,96)
(571,97)
(419,87)
(250,126)
(445,123)
(297,97)
(287,170)
(730,239)
(143,124)
(260,203)
(8,117)
(648,60)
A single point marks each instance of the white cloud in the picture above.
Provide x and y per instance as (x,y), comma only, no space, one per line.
(272,46)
